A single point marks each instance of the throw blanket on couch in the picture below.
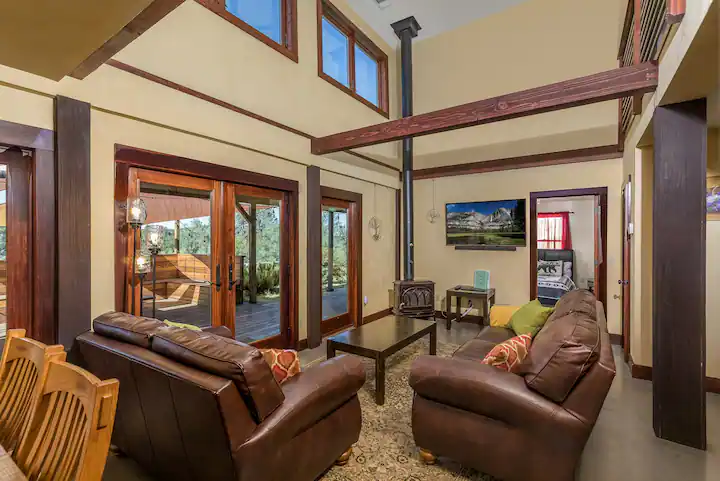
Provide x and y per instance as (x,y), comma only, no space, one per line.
(552,288)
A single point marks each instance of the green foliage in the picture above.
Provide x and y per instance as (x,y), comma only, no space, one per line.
(3,243)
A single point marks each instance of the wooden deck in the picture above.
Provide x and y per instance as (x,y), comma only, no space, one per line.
(252,321)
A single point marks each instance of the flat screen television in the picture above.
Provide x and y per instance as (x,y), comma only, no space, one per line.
(492,223)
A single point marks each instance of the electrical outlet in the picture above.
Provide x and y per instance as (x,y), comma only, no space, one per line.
(365,300)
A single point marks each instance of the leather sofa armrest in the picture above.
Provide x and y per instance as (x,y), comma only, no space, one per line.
(484,390)
(310,396)
(221,331)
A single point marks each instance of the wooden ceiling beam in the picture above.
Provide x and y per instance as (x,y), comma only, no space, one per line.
(600,87)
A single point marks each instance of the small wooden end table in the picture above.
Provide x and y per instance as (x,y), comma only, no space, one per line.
(381,339)
(486,296)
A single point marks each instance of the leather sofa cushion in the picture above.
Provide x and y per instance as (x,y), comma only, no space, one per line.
(227,358)
(474,350)
(125,327)
(579,300)
(496,335)
(561,354)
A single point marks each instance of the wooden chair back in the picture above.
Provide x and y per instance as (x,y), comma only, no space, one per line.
(69,435)
(23,367)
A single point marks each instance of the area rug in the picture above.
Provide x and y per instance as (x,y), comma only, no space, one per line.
(386,450)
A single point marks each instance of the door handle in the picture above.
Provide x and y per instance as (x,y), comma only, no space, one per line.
(217,277)
(623,282)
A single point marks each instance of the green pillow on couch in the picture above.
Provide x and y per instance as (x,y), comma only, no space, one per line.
(530,318)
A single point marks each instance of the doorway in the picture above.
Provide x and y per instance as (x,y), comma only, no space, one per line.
(341,247)
(226,254)
(568,245)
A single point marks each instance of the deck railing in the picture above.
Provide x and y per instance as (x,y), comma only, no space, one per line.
(643,39)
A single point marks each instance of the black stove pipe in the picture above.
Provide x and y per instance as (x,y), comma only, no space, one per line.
(406,30)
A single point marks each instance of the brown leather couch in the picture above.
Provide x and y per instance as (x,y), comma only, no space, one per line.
(531,426)
(199,406)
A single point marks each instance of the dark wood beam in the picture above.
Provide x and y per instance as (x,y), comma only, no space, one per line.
(522,162)
(679,272)
(152,14)
(314,257)
(72,136)
(600,87)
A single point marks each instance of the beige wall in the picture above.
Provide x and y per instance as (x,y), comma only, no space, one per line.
(216,58)
(510,273)
(529,45)
(582,232)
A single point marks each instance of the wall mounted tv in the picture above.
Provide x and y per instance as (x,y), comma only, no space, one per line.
(493,223)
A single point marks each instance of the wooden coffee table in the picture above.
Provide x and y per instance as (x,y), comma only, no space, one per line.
(380,339)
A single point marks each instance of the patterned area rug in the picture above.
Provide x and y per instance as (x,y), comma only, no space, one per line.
(386,450)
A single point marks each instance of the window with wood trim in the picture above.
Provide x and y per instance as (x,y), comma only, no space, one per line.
(553,231)
(273,22)
(348,59)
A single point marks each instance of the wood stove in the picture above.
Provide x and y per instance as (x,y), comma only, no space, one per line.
(414,298)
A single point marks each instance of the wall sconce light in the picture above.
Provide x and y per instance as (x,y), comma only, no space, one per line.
(136,212)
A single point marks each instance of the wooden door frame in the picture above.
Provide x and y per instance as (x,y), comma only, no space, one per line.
(126,157)
(626,270)
(602,193)
(42,321)
(285,253)
(355,301)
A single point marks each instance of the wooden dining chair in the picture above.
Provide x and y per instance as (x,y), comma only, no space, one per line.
(68,437)
(23,368)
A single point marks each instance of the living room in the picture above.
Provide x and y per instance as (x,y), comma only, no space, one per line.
(285,124)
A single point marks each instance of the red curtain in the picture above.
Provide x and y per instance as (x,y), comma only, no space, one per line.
(554,230)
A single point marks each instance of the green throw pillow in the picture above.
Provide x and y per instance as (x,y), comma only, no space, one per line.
(530,318)
(180,324)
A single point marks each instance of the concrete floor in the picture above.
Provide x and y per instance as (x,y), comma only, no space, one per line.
(622,446)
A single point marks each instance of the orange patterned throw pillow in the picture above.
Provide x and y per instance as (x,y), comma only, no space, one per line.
(509,354)
(284,363)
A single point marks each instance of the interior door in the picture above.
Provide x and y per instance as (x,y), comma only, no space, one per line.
(185,283)
(15,237)
(625,281)
(599,239)
(257,265)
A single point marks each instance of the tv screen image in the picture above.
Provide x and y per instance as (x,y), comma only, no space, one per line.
(493,223)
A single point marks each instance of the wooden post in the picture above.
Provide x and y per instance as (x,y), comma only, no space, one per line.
(331,242)
(177,237)
(253,253)
(314,257)
(72,131)
(679,270)
(637,51)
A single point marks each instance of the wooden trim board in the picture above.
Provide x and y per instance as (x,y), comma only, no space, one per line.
(589,154)
(227,105)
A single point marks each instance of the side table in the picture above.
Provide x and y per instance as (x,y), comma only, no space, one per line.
(487,297)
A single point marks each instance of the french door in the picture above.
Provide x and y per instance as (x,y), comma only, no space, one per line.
(223,257)
(15,241)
